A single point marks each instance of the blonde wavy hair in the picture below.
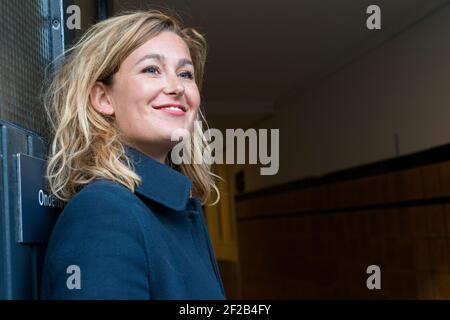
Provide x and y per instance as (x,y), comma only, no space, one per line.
(86,144)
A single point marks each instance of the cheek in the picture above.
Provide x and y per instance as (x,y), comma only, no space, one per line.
(134,97)
(193,96)
(128,108)
(195,105)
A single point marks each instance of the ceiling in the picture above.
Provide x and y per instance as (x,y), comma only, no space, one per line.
(260,50)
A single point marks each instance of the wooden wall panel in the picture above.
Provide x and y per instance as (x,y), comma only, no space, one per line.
(316,243)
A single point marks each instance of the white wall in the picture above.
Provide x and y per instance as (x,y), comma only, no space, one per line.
(350,118)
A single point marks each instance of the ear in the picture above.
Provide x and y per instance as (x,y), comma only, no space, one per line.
(100,99)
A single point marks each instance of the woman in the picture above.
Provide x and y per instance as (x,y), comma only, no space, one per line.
(133,225)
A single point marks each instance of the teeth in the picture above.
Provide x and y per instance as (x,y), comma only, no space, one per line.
(173,108)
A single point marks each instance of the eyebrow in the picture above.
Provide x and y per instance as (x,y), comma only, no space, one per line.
(182,62)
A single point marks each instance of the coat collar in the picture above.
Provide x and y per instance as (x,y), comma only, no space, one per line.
(160,182)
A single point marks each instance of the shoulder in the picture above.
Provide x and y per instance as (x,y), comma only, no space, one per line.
(101,192)
(102,198)
(100,207)
(100,202)
(97,231)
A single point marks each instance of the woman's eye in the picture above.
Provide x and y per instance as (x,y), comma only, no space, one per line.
(187,75)
(151,69)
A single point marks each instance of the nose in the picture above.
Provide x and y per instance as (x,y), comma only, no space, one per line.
(174,86)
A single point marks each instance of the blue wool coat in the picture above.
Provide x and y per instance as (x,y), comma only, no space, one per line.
(110,243)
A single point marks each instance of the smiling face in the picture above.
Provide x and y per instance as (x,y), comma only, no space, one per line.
(155,76)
